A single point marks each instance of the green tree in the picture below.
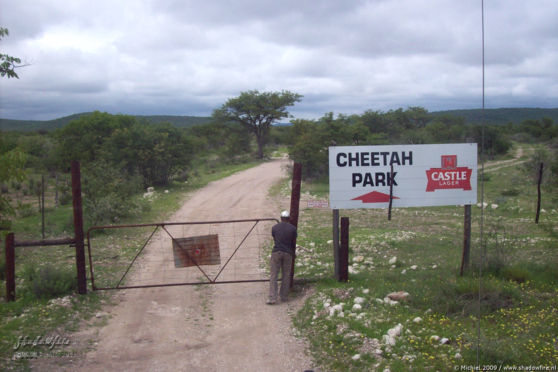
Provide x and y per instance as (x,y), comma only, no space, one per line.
(83,138)
(11,168)
(8,64)
(109,193)
(309,148)
(257,111)
(156,152)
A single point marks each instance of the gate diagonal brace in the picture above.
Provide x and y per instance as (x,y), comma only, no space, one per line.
(163,226)
(226,263)
(139,252)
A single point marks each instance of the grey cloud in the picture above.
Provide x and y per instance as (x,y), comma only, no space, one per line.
(188,57)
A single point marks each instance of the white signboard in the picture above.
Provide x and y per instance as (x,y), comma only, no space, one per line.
(423,175)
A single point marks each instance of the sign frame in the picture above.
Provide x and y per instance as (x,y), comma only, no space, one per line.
(422,175)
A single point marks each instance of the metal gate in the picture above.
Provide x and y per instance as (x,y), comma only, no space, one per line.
(179,253)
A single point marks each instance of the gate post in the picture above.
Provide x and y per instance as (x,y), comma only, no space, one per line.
(10,267)
(295,202)
(78,227)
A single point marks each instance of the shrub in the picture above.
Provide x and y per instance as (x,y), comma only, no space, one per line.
(65,198)
(49,281)
(25,210)
(510,192)
(515,273)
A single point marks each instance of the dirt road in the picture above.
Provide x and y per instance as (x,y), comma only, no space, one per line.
(226,327)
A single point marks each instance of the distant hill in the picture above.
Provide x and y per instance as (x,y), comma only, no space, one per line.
(499,116)
(48,125)
(502,115)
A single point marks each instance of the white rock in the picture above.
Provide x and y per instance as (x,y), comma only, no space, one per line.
(392,260)
(358,259)
(444,341)
(414,267)
(395,331)
(457,356)
(388,340)
(356,357)
(434,338)
(357,307)
(398,296)
(404,271)
(166,191)
(418,319)
(330,242)
(389,301)
(359,300)
(365,291)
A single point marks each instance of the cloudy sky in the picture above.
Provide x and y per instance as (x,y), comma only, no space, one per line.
(187,57)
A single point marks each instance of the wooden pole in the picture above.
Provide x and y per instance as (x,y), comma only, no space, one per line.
(10,267)
(335,221)
(78,227)
(344,251)
(43,204)
(390,193)
(466,240)
(539,194)
(295,203)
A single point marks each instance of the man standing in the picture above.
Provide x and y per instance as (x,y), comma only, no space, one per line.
(284,236)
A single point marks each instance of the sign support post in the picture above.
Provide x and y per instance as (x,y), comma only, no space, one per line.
(335,220)
(466,240)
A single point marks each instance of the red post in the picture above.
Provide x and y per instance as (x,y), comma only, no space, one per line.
(78,227)
(10,267)
(295,202)
(344,251)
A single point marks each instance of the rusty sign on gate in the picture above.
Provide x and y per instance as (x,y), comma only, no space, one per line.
(196,251)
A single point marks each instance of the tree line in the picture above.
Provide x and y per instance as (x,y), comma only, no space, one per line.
(121,154)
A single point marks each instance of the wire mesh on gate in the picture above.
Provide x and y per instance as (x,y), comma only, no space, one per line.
(140,256)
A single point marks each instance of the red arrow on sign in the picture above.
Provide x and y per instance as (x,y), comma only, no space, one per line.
(374,197)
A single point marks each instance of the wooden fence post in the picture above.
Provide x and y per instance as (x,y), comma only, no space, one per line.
(539,193)
(466,240)
(10,267)
(78,227)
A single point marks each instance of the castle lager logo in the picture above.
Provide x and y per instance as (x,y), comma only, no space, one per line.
(449,176)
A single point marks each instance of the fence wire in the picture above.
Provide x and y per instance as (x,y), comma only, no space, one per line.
(142,255)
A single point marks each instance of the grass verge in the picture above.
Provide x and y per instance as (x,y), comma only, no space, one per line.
(502,312)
